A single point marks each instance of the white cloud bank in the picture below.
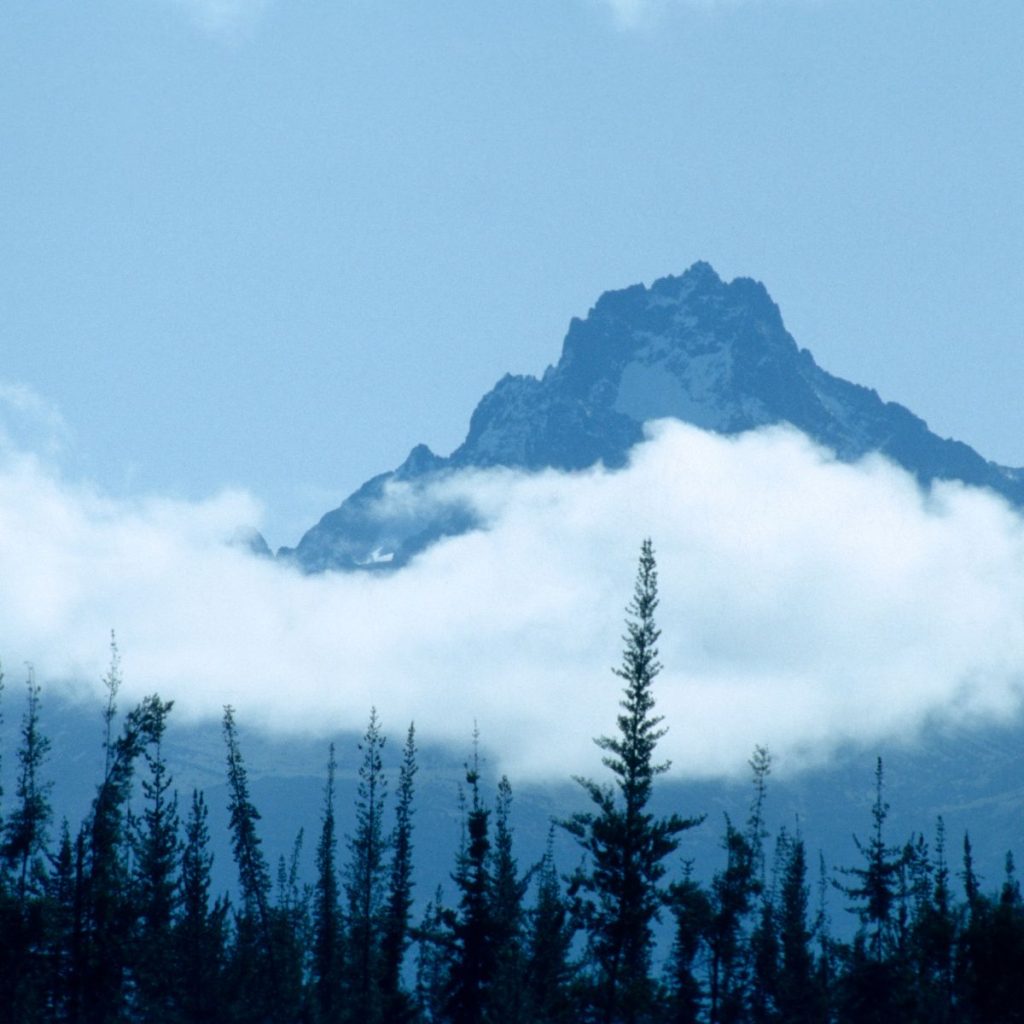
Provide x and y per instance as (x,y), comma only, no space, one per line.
(805,604)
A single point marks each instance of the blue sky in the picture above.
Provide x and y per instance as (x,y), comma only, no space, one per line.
(254,250)
(272,245)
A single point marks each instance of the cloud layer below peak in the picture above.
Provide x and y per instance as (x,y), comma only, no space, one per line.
(805,604)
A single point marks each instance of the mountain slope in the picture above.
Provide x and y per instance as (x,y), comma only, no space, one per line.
(712,353)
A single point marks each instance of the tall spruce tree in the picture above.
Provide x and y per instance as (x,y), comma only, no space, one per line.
(106,925)
(620,889)
(733,891)
(60,926)
(364,881)
(799,999)
(691,909)
(328,932)
(472,935)
(434,944)
(763,941)
(22,860)
(549,935)
(156,848)
(397,1005)
(24,832)
(199,930)
(508,889)
(934,938)
(254,971)
(874,986)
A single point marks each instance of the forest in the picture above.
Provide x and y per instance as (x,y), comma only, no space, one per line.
(116,921)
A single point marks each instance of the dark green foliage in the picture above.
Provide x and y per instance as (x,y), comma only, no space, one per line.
(692,912)
(396,1004)
(117,922)
(23,873)
(763,952)
(508,889)
(733,891)
(254,976)
(876,978)
(931,942)
(105,912)
(59,905)
(156,847)
(291,934)
(619,891)
(547,987)
(364,882)
(433,954)
(472,940)
(328,927)
(992,951)
(764,955)
(253,873)
(200,928)
(875,886)
(798,995)
(24,832)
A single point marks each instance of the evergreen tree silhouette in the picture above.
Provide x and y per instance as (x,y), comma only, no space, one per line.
(620,892)
(397,1006)
(328,927)
(364,881)
(200,927)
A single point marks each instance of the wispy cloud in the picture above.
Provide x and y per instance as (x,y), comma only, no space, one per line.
(634,13)
(805,604)
(30,423)
(224,17)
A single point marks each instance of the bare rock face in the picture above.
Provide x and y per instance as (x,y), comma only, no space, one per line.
(712,353)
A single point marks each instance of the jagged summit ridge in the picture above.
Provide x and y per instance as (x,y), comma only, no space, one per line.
(694,347)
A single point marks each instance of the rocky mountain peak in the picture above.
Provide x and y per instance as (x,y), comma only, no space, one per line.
(694,347)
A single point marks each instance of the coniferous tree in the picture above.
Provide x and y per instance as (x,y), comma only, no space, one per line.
(1,757)
(397,1005)
(508,888)
(798,996)
(364,881)
(733,891)
(22,899)
(60,914)
(156,848)
(933,934)
(874,891)
(328,929)
(626,845)
(874,986)
(763,950)
(291,934)
(199,929)
(970,952)
(433,938)
(825,958)
(992,950)
(548,970)
(760,767)
(106,914)
(25,830)
(692,911)
(472,937)
(254,973)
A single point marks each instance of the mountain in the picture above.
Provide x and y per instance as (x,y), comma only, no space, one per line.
(694,347)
